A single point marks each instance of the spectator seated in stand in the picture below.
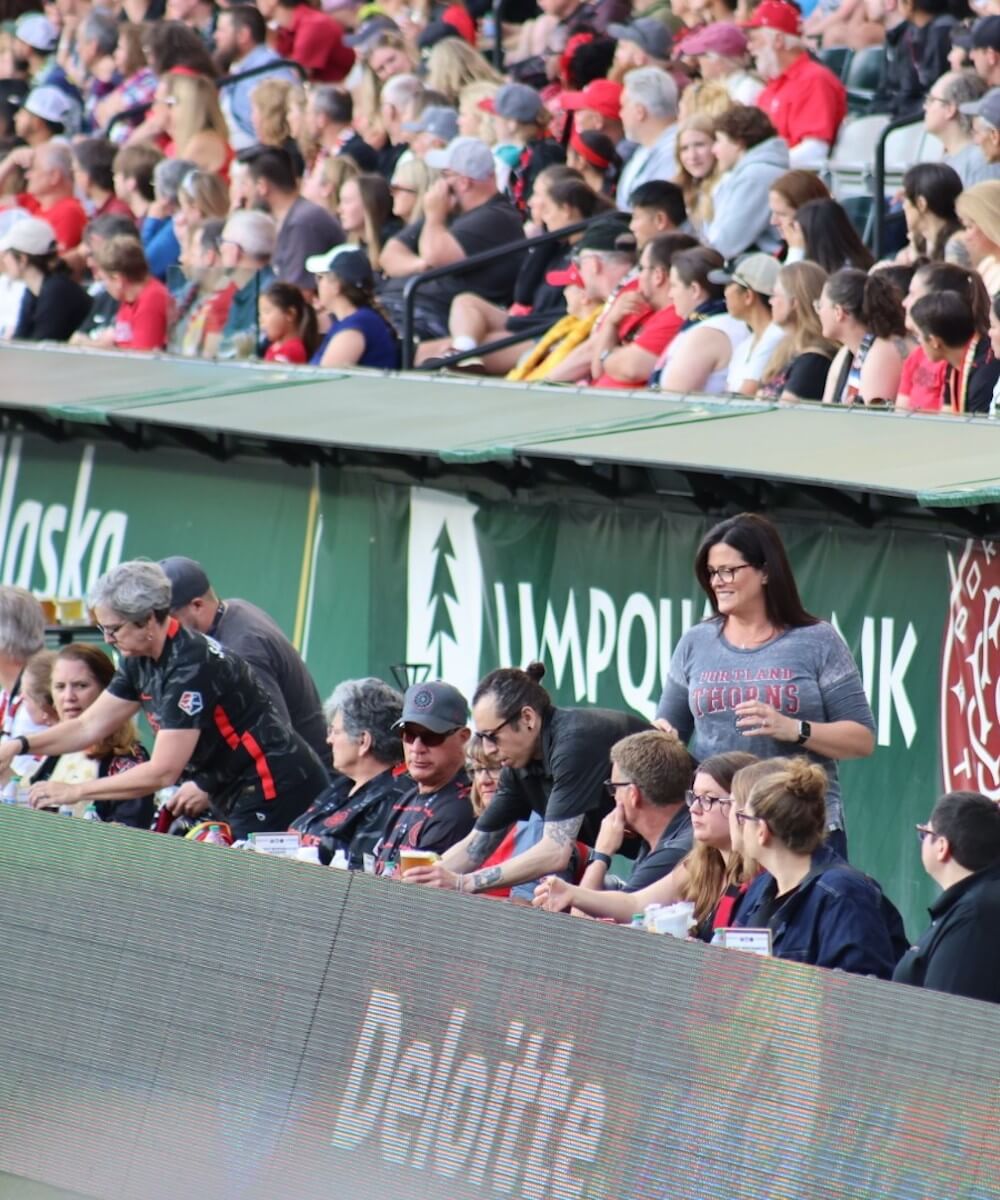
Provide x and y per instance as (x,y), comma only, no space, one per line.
(50,191)
(350,816)
(204,298)
(304,228)
(750,285)
(985,117)
(246,248)
(865,315)
(949,333)
(567,334)
(657,207)
(805,101)
(159,238)
(241,45)
(798,368)
(329,121)
(641,324)
(46,113)
(360,333)
(464,215)
(712,876)
(287,324)
(103,306)
(311,38)
(79,674)
(948,117)
(435,813)
(94,177)
(132,171)
(144,304)
(752,157)
(918,53)
(53,305)
(649,118)
(960,851)
(819,909)
(522,121)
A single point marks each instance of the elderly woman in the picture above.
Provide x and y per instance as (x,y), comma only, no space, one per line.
(215,726)
(351,814)
(22,634)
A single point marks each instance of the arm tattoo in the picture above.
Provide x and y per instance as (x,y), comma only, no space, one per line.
(482,880)
(563,833)
(481,846)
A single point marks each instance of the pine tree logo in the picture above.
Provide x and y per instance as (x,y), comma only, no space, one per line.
(442,589)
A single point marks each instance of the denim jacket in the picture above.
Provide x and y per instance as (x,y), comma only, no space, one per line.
(836,918)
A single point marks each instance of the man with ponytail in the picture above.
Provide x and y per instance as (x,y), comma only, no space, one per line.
(555,762)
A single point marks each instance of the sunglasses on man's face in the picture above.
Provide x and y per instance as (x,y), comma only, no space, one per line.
(412,732)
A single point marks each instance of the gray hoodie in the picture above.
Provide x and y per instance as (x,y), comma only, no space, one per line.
(742,214)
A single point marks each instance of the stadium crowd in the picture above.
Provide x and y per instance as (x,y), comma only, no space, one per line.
(730,801)
(237,181)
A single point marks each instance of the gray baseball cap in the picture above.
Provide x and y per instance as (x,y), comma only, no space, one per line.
(436,119)
(516,101)
(648,33)
(436,706)
(466,156)
(986,107)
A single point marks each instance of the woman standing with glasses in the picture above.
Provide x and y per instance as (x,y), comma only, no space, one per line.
(819,910)
(215,725)
(762,673)
(712,876)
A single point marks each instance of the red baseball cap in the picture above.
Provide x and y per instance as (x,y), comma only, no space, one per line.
(600,96)
(568,277)
(776,14)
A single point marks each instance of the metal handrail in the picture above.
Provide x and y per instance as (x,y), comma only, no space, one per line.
(878,183)
(415,282)
(497,35)
(140,110)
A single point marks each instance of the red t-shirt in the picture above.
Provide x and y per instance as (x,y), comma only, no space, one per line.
(142,323)
(113,207)
(291,350)
(653,330)
(807,101)
(316,42)
(66,216)
(923,381)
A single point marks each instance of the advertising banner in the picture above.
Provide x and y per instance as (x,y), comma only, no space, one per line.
(179,1019)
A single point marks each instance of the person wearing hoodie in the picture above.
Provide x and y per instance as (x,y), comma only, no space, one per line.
(752,155)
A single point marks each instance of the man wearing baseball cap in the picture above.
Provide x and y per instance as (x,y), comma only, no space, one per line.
(645,42)
(982,42)
(251,634)
(436,126)
(436,813)
(805,101)
(598,108)
(464,214)
(985,114)
(750,284)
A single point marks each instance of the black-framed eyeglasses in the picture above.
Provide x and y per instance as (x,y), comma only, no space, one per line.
(725,574)
(924,832)
(706,803)
(490,735)
(743,817)
(611,786)
(475,769)
(112,631)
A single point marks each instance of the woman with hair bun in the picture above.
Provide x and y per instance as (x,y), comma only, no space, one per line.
(555,763)
(810,693)
(819,909)
(864,313)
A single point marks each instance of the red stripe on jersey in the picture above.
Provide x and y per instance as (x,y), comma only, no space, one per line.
(251,746)
(172,627)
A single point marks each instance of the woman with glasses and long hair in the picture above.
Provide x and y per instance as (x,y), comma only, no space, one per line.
(762,673)
(555,763)
(819,909)
(712,876)
(216,728)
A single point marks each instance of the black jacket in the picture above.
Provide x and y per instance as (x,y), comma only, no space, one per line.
(958,952)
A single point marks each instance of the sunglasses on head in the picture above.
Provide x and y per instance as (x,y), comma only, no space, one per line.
(427,736)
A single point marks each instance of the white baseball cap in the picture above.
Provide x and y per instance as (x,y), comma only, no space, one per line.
(37,31)
(30,236)
(49,103)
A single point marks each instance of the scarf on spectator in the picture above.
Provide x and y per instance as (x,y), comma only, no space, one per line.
(707,308)
(564,336)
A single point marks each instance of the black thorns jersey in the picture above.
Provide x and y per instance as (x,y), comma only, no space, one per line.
(196,684)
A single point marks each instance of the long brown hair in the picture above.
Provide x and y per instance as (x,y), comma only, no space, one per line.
(803,283)
(122,740)
(709,876)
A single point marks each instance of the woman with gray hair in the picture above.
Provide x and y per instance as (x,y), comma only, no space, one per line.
(22,634)
(351,814)
(215,726)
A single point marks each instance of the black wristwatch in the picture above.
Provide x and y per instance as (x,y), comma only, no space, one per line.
(805,733)
(24,743)
(599,856)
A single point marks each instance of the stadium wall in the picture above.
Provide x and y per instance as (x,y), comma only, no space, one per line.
(367,571)
(179,1020)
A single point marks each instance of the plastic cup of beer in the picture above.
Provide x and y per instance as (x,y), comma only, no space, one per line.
(408,859)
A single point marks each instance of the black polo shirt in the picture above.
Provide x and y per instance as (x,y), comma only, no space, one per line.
(196,684)
(428,820)
(568,779)
(673,845)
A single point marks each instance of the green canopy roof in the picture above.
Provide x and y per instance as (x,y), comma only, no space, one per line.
(938,461)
